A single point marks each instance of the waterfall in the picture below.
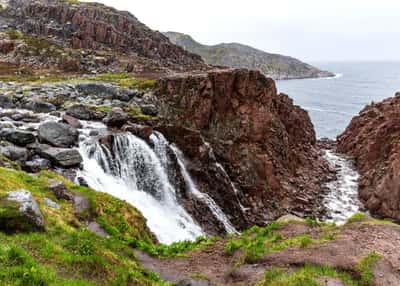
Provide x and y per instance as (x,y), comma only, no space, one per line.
(133,172)
(159,140)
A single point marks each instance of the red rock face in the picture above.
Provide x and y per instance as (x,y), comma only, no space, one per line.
(265,143)
(98,27)
(373,138)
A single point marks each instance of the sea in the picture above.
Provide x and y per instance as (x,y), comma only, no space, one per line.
(333,102)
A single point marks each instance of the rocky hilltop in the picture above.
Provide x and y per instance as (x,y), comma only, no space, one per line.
(92,37)
(372,138)
(241,56)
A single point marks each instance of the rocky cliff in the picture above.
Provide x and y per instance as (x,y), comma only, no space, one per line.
(373,139)
(67,33)
(241,56)
(264,142)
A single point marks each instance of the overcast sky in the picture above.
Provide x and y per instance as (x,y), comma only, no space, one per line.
(312,30)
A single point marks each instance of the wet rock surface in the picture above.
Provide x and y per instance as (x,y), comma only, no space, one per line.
(58,134)
(62,157)
(373,139)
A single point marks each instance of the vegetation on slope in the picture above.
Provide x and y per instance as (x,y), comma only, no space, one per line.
(66,252)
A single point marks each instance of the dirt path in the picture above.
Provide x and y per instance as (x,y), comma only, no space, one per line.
(354,242)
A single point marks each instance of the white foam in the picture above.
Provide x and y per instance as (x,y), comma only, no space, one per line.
(135,174)
(342,200)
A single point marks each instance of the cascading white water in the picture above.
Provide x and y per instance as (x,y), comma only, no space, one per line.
(159,140)
(342,200)
(133,172)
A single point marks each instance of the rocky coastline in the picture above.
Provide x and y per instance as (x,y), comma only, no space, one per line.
(112,142)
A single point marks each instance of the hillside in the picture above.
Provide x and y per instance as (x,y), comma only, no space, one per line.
(71,36)
(241,56)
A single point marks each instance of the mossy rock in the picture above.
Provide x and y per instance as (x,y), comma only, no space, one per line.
(12,220)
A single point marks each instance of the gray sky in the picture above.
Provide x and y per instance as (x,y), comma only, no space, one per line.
(312,30)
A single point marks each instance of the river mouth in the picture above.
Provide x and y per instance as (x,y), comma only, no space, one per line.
(341,200)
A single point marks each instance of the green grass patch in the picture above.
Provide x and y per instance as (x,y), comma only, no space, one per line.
(365,267)
(357,217)
(305,276)
(259,241)
(67,253)
(176,249)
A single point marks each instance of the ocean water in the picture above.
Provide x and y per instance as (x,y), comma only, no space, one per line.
(333,102)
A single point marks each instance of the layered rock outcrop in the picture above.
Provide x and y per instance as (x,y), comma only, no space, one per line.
(116,39)
(373,139)
(265,143)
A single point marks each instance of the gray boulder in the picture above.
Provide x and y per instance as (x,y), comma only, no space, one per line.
(20,213)
(62,157)
(13,152)
(95,88)
(51,204)
(149,109)
(39,106)
(60,190)
(116,118)
(58,134)
(79,111)
(36,165)
(6,101)
(20,137)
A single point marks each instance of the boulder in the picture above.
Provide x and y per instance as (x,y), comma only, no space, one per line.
(79,111)
(142,131)
(81,206)
(62,157)
(39,106)
(97,88)
(51,204)
(98,115)
(58,134)
(36,165)
(13,152)
(6,101)
(149,109)
(121,96)
(20,137)
(116,118)
(74,122)
(60,190)
(20,213)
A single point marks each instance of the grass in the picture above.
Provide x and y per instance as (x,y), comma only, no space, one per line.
(305,276)
(67,253)
(122,80)
(357,217)
(365,267)
(363,218)
(308,275)
(177,249)
(259,241)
